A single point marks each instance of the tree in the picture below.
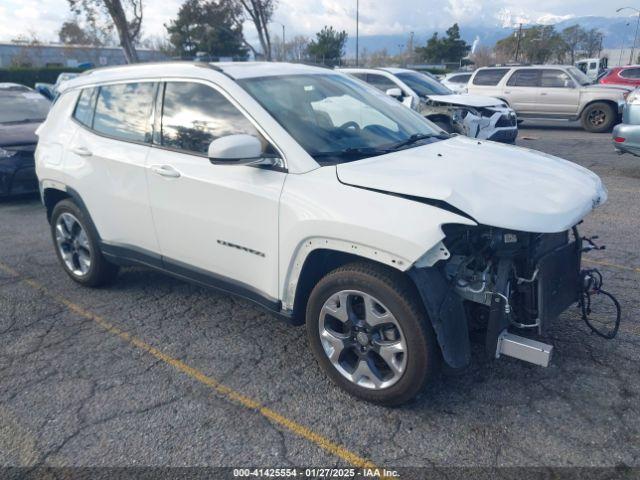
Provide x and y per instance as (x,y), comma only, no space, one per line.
(127,19)
(297,47)
(207,26)
(538,44)
(71,33)
(260,13)
(573,37)
(592,42)
(328,46)
(449,48)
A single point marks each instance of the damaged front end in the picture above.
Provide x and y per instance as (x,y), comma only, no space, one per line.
(505,279)
(496,123)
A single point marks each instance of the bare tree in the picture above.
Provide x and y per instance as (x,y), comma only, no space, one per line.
(260,13)
(483,56)
(127,19)
(297,47)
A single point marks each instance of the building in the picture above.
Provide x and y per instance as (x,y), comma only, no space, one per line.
(71,56)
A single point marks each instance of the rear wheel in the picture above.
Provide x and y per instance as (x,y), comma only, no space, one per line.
(371,335)
(599,117)
(77,247)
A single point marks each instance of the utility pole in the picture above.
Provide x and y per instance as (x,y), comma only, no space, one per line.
(635,38)
(357,28)
(518,42)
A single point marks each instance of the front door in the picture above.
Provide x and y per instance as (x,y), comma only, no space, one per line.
(559,94)
(215,222)
(522,91)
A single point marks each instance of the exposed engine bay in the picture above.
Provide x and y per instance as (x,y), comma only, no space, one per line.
(509,280)
(497,122)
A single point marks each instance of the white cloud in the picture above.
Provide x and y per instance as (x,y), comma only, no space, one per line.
(377,17)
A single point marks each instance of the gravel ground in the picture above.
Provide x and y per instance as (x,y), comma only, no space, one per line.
(128,375)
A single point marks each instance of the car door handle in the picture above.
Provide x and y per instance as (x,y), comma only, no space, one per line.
(82,151)
(507,92)
(543,93)
(165,171)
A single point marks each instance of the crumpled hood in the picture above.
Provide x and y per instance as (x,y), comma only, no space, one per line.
(497,185)
(477,101)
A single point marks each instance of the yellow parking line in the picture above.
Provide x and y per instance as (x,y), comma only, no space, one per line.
(612,265)
(227,392)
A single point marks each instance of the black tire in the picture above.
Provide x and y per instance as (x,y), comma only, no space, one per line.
(101,271)
(400,296)
(599,117)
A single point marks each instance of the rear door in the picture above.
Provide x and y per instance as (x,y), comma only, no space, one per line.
(522,91)
(559,94)
(108,154)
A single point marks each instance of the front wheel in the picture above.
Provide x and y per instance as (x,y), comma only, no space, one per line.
(371,335)
(599,117)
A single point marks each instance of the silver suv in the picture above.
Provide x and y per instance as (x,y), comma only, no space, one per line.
(552,92)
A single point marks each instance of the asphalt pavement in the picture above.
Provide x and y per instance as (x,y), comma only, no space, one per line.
(152,371)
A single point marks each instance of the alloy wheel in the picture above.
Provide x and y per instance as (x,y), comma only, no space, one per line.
(73,244)
(362,339)
(597,117)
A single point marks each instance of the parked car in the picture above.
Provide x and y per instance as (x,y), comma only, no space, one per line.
(552,92)
(629,76)
(322,200)
(626,135)
(472,115)
(457,82)
(47,90)
(21,111)
(592,67)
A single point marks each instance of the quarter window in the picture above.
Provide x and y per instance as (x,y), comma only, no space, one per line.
(490,76)
(84,108)
(194,115)
(123,110)
(525,78)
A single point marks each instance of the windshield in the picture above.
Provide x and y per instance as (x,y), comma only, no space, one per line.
(336,119)
(579,76)
(22,106)
(423,85)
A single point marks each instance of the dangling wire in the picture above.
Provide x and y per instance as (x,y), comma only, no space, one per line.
(591,290)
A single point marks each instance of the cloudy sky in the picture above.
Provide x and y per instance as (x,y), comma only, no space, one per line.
(43,17)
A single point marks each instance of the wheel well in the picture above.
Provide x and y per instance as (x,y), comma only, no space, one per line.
(611,103)
(317,264)
(51,197)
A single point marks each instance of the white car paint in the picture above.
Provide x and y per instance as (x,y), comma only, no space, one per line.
(278,217)
(475,124)
(490,182)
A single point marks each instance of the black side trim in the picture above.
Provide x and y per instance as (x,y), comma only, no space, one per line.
(428,201)
(447,315)
(128,255)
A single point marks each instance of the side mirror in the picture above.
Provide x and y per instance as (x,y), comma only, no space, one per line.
(237,149)
(394,92)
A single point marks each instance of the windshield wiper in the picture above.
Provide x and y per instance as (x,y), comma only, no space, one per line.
(352,152)
(416,137)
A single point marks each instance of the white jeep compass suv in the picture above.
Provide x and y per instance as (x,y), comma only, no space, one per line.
(322,200)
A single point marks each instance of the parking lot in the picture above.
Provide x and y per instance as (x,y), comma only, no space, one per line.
(155,372)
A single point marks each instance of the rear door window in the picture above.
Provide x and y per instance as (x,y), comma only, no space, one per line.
(380,82)
(123,111)
(526,77)
(489,76)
